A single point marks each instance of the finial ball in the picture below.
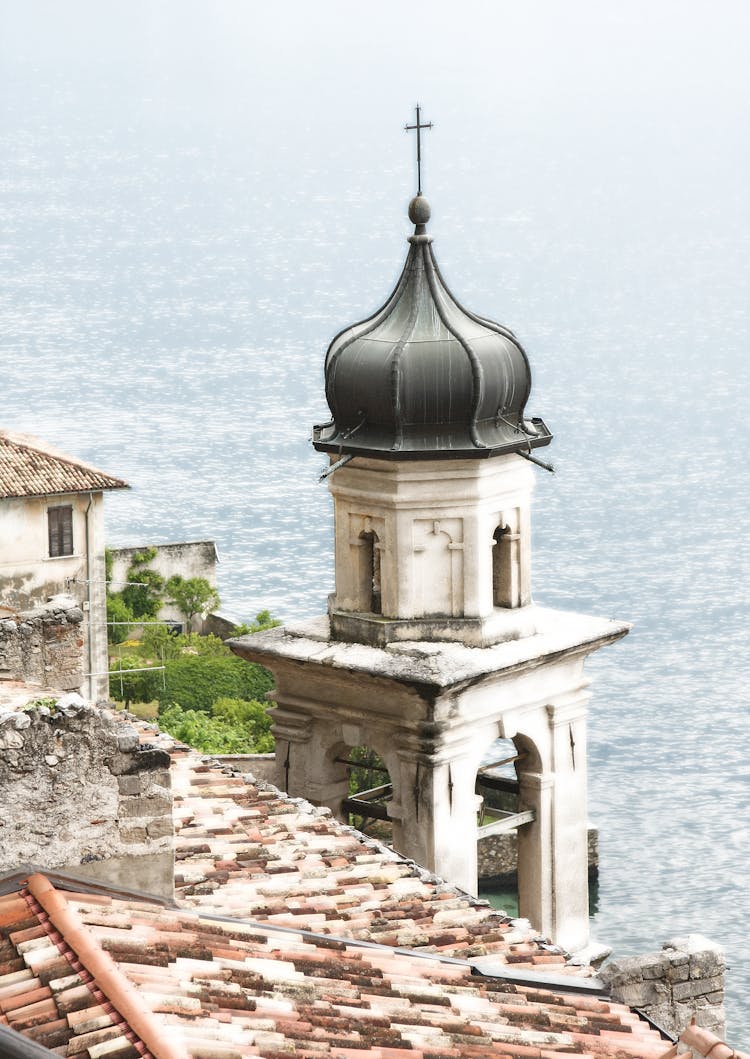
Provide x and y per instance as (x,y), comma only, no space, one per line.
(419,210)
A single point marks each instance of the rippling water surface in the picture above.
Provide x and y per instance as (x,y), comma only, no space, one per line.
(168,292)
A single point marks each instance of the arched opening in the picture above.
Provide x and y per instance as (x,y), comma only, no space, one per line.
(371,572)
(369,791)
(505,573)
(500,816)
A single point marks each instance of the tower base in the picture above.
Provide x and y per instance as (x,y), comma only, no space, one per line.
(431,711)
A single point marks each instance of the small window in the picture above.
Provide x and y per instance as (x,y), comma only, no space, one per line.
(372,594)
(60,523)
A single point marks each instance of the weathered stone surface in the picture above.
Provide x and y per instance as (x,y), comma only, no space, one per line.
(697,987)
(129,785)
(436,665)
(127,739)
(133,834)
(43,646)
(65,805)
(684,981)
(160,827)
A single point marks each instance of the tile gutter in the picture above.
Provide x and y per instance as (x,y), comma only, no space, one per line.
(121,993)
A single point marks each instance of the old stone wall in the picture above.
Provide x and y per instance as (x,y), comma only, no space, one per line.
(497,855)
(44,645)
(77,791)
(683,981)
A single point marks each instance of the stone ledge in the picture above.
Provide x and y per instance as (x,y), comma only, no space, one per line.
(437,665)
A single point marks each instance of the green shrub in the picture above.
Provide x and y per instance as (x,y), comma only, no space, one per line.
(195,643)
(262,620)
(143,593)
(216,734)
(197,681)
(159,643)
(251,717)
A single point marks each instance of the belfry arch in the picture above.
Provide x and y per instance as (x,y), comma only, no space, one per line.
(510,560)
(370,583)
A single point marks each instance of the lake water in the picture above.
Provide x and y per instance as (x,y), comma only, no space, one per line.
(171,279)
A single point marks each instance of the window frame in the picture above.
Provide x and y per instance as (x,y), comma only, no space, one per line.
(60,542)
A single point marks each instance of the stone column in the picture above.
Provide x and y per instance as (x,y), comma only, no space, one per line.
(535,866)
(292,731)
(553,850)
(434,815)
(570,823)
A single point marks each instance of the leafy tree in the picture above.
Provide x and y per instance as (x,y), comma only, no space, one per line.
(192,595)
(118,612)
(129,687)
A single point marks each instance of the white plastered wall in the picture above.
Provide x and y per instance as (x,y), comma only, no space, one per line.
(435,523)
(29,576)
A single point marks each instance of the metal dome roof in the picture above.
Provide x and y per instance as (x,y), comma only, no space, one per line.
(424,378)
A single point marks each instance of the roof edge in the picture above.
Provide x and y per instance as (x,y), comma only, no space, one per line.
(121,993)
(33,444)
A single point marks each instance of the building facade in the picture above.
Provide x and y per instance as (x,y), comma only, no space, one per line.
(52,541)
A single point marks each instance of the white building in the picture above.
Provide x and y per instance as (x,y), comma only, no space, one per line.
(52,540)
(433,648)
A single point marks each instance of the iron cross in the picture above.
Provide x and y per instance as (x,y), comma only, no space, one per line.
(410,128)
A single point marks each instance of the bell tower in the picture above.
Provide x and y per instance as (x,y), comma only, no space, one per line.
(432,647)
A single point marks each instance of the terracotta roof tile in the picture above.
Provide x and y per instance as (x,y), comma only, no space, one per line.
(30,467)
(238,986)
(248,850)
(49,997)
(708,1044)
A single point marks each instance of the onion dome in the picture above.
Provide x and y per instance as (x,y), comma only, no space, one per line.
(424,378)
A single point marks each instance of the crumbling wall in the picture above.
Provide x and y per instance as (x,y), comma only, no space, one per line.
(77,791)
(44,646)
(683,981)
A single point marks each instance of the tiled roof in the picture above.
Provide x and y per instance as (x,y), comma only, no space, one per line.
(95,975)
(46,993)
(30,467)
(282,955)
(703,1042)
(247,850)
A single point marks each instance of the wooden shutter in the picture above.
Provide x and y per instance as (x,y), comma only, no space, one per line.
(60,523)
